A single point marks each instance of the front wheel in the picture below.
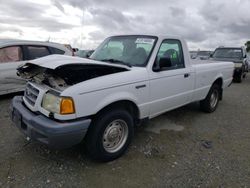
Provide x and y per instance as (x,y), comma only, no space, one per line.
(239,78)
(210,103)
(110,135)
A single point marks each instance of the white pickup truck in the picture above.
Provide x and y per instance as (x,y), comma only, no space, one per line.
(99,100)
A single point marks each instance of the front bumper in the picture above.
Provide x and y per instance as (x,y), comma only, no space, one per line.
(40,128)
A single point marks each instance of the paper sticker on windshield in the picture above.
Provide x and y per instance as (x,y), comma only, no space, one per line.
(144,41)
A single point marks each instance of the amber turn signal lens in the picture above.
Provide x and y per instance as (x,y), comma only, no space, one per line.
(67,106)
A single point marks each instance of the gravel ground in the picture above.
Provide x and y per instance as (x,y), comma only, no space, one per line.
(181,148)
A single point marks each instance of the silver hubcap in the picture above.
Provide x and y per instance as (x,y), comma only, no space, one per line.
(115,136)
(214,98)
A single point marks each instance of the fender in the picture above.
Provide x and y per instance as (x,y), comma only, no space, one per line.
(219,76)
(115,97)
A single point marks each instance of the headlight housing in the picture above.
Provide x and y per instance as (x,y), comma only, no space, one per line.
(57,104)
(237,65)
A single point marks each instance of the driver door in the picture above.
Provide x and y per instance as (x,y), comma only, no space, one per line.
(170,87)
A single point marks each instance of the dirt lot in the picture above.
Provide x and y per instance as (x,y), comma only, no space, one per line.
(182,148)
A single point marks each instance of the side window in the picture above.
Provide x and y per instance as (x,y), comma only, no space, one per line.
(11,54)
(171,50)
(56,51)
(37,51)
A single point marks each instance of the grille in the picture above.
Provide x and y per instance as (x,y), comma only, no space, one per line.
(31,94)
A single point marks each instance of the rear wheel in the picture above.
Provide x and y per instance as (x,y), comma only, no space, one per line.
(110,135)
(210,103)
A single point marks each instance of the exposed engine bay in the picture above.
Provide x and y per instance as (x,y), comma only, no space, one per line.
(65,75)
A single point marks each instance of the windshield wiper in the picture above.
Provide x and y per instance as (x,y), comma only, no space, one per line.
(116,61)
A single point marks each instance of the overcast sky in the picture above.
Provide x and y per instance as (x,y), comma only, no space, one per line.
(205,24)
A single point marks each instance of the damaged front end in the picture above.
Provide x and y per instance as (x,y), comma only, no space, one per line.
(65,75)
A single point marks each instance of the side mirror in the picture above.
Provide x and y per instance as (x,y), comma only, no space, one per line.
(165,62)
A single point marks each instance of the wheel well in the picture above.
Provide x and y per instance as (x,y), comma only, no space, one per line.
(219,82)
(130,106)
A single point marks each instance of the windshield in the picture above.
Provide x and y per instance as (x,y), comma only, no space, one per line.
(235,53)
(130,50)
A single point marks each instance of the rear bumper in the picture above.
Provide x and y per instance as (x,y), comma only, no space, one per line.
(39,128)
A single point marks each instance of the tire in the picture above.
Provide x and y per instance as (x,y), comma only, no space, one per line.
(109,135)
(239,78)
(210,103)
(244,75)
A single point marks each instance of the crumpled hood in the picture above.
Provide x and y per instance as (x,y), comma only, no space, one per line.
(59,71)
(55,61)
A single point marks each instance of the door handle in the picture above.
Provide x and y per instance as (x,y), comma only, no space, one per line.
(186,75)
(140,86)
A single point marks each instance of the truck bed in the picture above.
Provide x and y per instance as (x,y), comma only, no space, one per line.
(206,71)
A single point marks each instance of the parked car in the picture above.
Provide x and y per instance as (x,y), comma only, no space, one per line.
(193,54)
(84,53)
(14,53)
(127,79)
(236,55)
(203,55)
(248,61)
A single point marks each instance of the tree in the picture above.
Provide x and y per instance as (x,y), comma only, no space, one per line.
(247,44)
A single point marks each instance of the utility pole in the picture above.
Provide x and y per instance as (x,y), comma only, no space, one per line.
(82,23)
